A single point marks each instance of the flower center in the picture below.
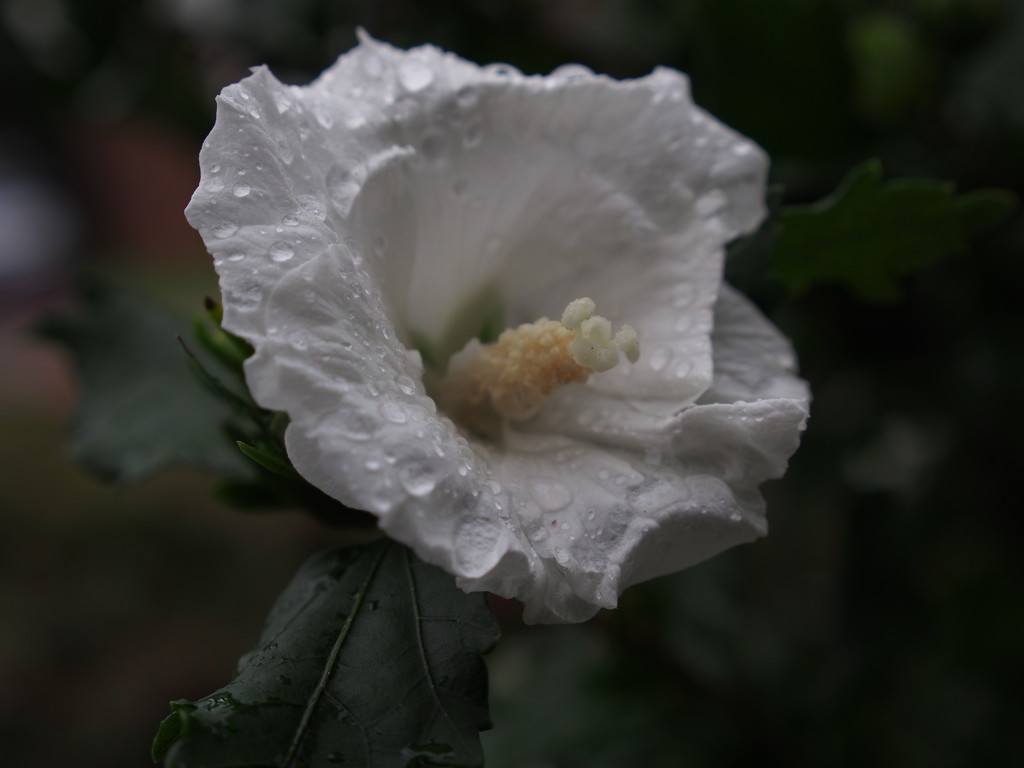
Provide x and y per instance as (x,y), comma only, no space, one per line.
(513,376)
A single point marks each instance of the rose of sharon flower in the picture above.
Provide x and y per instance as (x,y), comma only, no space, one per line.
(446,271)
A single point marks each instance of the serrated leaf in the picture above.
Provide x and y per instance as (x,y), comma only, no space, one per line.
(870,233)
(140,408)
(370,657)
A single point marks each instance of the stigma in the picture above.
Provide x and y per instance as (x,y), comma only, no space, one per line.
(510,378)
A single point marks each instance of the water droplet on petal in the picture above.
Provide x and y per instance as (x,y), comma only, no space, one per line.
(415,75)
(240,190)
(551,495)
(572,72)
(393,412)
(355,119)
(355,425)
(224,228)
(236,257)
(290,220)
(312,205)
(659,358)
(467,96)
(280,251)
(417,477)
(502,70)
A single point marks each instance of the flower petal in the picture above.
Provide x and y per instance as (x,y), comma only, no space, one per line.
(403,198)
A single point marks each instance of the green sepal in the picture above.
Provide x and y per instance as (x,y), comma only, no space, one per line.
(172,728)
(270,457)
(229,350)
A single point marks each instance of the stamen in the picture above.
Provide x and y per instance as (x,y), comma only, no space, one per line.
(513,376)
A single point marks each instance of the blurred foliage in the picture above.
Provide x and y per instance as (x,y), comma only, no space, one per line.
(881,622)
(868,234)
(131,375)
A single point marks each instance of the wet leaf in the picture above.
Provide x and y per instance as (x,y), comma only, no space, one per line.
(369,658)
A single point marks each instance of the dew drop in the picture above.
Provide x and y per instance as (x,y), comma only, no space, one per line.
(417,477)
(572,72)
(393,412)
(299,340)
(236,257)
(551,495)
(312,205)
(215,168)
(280,251)
(659,358)
(415,75)
(502,70)
(356,426)
(682,370)
(241,190)
(467,96)
(224,228)
(290,220)
(354,119)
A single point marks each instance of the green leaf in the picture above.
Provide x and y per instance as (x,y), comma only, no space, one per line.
(869,234)
(370,658)
(140,408)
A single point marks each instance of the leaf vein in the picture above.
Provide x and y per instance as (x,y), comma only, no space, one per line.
(321,686)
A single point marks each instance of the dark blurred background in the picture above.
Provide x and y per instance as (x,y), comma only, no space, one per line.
(881,622)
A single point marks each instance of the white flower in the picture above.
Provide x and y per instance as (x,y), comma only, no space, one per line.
(366,227)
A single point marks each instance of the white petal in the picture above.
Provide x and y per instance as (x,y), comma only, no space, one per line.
(405,196)
(752,359)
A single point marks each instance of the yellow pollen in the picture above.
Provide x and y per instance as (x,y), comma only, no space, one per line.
(513,376)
